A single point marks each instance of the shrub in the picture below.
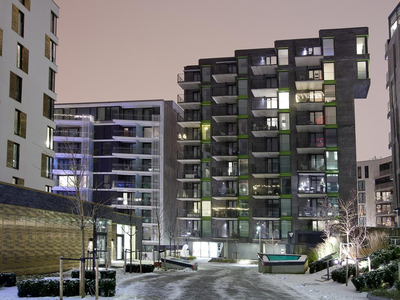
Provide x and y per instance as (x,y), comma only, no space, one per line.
(339,275)
(8,279)
(107,287)
(135,268)
(110,274)
(320,264)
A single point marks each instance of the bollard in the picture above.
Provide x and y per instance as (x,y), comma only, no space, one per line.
(97,278)
(61,278)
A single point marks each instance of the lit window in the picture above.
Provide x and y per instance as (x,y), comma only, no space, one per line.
(49,138)
(362,70)
(331,160)
(361,45)
(12,155)
(330,92)
(328,47)
(283,100)
(284,121)
(330,115)
(206,208)
(18,181)
(206,132)
(283,57)
(49,189)
(47,166)
(329,71)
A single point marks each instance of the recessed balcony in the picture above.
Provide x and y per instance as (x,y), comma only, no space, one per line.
(224,193)
(264,65)
(225,213)
(309,80)
(125,152)
(266,149)
(315,146)
(131,135)
(267,87)
(224,72)
(264,170)
(189,214)
(189,80)
(127,169)
(262,213)
(266,191)
(224,173)
(188,194)
(121,185)
(225,114)
(309,212)
(188,176)
(224,153)
(189,233)
(191,119)
(225,95)
(310,122)
(225,134)
(311,166)
(189,137)
(385,186)
(264,107)
(189,157)
(189,101)
(310,101)
(133,120)
(308,56)
(265,129)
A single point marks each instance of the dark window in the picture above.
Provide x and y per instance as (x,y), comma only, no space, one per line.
(283,79)
(20,123)
(366,169)
(52,80)
(359,173)
(53,24)
(361,185)
(1,42)
(12,155)
(18,181)
(47,166)
(15,87)
(331,137)
(48,107)
(18,20)
(22,58)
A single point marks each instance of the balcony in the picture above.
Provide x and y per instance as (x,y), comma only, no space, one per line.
(120,184)
(266,149)
(129,119)
(189,80)
(317,212)
(266,213)
(310,101)
(385,212)
(384,200)
(225,213)
(131,169)
(265,170)
(188,195)
(189,137)
(305,123)
(224,173)
(189,157)
(223,233)
(68,135)
(383,173)
(224,193)
(188,176)
(309,80)
(189,214)
(314,146)
(191,119)
(266,191)
(121,203)
(263,65)
(265,107)
(224,72)
(124,152)
(189,101)
(308,56)
(386,186)
(224,153)
(225,134)
(225,114)
(131,136)
(225,95)
(190,233)
(267,87)
(262,129)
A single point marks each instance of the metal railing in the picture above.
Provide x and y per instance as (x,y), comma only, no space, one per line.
(125,150)
(193,154)
(189,213)
(269,212)
(188,193)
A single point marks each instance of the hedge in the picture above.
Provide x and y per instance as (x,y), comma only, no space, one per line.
(339,275)
(8,279)
(90,274)
(51,287)
(135,268)
(320,264)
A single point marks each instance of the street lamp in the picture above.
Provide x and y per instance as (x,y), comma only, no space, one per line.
(259,237)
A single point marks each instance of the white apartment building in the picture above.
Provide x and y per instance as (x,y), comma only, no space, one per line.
(28,42)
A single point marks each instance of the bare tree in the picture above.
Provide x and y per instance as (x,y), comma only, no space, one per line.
(329,214)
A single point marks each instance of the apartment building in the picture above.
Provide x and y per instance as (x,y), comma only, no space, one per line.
(28,42)
(126,153)
(267,135)
(392,57)
(375,193)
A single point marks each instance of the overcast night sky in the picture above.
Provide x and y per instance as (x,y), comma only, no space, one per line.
(134,49)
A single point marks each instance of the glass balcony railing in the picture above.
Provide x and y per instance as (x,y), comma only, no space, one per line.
(221,131)
(190,174)
(225,213)
(188,193)
(190,116)
(260,190)
(308,165)
(266,147)
(263,126)
(189,154)
(133,117)
(307,120)
(265,169)
(314,143)
(130,184)
(130,202)
(188,98)
(125,150)
(125,167)
(223,191)
(225,111)
(67,150)
(225,91)
(188,135)
(271,212)
(224,151)
(189,213)
(224,171)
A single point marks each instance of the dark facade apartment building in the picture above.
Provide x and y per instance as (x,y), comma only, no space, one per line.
(125,156)
(266,135)
(392,56)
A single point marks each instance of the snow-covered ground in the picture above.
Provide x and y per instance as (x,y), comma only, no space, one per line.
(222,281)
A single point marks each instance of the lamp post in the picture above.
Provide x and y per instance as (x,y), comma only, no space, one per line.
(259,237)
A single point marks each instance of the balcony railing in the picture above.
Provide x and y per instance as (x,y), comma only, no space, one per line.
(224,233)
(194,154)
(188,193)
(188,98)
(269,83)
(149,220)
(70,167)
(308,51)
(383,173)
(221,131)
(263,126)
(225,91)
(189,117)
(189,213)
(310,97)
(309,75)
(224,171)
(188,232)
(306,120)
(266,191)
(133,117)
(68,133)
(308,165)
(314,143)
(188,77)
(271,212)
(264,61)
(224,151)
(124,150)
(69,150)
(130,184)
(126,133)
(225,111)
(130,202)
(385,185)
(188,175)
(223,191)
(266,147)
(385,212)
(125,167)
(265,169)
(317,212)
(224,68)
(225,213)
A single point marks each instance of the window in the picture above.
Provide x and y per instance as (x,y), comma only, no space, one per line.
(22,58)
(243,167)
(283,100)
(361,185)
(286,185)
(49,138)
(206,189)
(1,42)
(53,24)
(48,107)
(18,20)
(205,228)
(26,3)
(284,121)
(366,171)
(242,66)
(361,197)
(206,74)
(12,155)
(206,150)
(331,137)
(48,189)
(284,164)
(328,47)
(205,112)
(242,126)
(362,69)
(205,170)
(286,207)
(205,132)
(311,184)
(244,228)
(284,142)
(52,80)
(283,57)
(283,79)
(18,181)
(330,92)
(359,172)
(20,123)
(15,87)
(286,226)
(50,49)
(330,115)
(205,94)
(242,107)
(47,166)
(332,183)
(243,146)
(206,208)
(329,71)
(242,87)
(243,187)
(331,160)
(361,42)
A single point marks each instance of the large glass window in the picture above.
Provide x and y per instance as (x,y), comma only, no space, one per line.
(283,79)
(242,106)
(331,137)
(205,170)
(205,112)
(328,47)
(330,115)
(332,182)
(243,167)
(362,69)
(243,187)
(244,228)
(242,66)
(49,138)
(205,132)
(284,163)
(205,94)
(284,100)
(206,189)
(286,185)
(361,42)
(206,74)
(329,71)
(242,87)
(284,142)
(205,150)
(331,160)
(286,207)
(206,228)
(330,92)
(311,184)
(206,208)
(243,147)
(284,121)
(286,226)
(283,57)
(242,126)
